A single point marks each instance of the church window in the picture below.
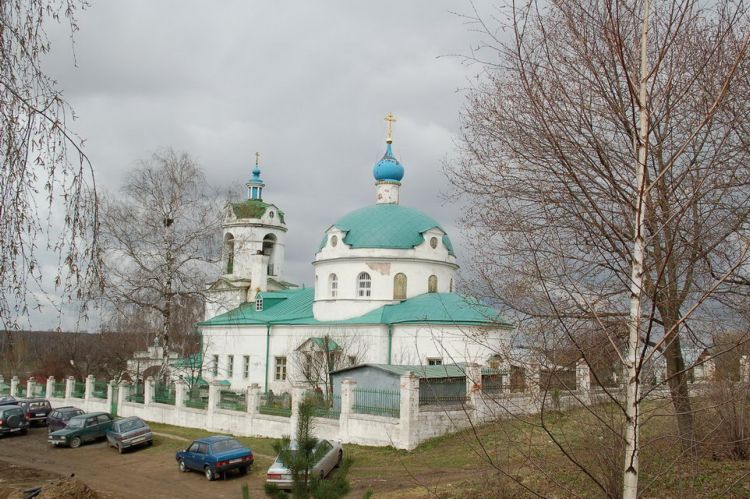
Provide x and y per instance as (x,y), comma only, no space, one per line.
(433,242)
(230,366)
(215,365)
(229,252)
(450,287)
(280,369)
(432,284)
(271,214)
(246,366)
(399,287)
(364,285)
(434,361)
(333,285)
(334,241)
(259,304)
(352,360)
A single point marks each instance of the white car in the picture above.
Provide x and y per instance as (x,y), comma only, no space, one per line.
(330,451)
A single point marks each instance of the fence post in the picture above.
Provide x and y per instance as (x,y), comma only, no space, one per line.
(30,383)
(122,395)
(89,390)
(214,395)
(409,411)
(583,381)
(348,385)
(148,391)
(70,382)
(50,388)
(179,393)
(745,369)
(253,398)
(14,386)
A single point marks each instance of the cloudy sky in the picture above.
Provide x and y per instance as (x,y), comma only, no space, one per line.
(305,83)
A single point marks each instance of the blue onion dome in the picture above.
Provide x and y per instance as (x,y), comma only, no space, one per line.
(388,168)
(255,179)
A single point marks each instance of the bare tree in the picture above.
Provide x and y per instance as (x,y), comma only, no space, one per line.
(315,359)
(606,165)
(161,239)
(47,191)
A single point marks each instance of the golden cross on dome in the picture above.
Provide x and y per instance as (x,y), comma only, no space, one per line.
(389,131)
(257,158)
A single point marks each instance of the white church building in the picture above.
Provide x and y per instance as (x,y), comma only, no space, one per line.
(383,294)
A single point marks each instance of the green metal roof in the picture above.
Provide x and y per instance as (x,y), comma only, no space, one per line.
(322,342)
(445,371)
(294,307)
(389,226)
(254,208)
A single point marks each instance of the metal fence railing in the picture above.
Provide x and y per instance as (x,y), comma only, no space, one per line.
(100,389)
(377,402)
(20,391)
(58,389)
(79,389)
(136,394)
(329,407)
(195,400)
(164,394)
(4,389)
(275,405)
(442,391)
(232,401)
(496,383)
(39,391)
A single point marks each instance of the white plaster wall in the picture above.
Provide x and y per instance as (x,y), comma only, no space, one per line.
(413,344)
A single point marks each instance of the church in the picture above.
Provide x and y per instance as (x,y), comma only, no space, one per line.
(383,294)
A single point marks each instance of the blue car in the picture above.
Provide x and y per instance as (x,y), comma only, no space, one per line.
(214,456)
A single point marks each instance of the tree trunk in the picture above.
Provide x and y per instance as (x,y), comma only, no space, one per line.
(678,386)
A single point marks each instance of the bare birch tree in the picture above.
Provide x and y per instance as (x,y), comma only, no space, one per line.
(161,239)
(47,191)
(603,139)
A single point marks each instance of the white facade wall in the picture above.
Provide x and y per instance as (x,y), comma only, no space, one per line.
(417,264)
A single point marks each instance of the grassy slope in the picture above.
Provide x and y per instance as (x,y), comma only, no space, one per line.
(465,464)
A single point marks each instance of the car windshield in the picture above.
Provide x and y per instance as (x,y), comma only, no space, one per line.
(76,422)
(130,425)
(226,445)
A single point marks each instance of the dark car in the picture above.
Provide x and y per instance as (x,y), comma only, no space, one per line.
(58,418)
(215,456)
(84,428)
(129,432)
(13,420)
(36,409)
(7,400)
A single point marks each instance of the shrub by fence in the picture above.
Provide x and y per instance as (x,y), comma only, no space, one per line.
(377,402)
(195,400)
(325,407)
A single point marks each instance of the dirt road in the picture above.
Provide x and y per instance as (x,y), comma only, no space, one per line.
(145,473)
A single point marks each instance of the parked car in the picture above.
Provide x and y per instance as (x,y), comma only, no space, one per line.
(36,409)
(58,418)
(13,420)
(84,428)
(129,432)
(214,456)
(7,400)
(329,455)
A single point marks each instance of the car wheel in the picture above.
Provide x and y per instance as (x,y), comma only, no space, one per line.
(243,470)
(210,475)
(341,457)
(183,466)
(75,442)
(150,443)
(24,431)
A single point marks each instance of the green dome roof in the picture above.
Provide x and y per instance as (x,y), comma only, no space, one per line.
(389,226)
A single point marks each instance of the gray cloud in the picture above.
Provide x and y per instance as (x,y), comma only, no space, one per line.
(305,83)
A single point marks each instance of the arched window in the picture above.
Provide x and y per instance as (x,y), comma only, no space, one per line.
(450,287)
(364,285)
(432,284)
(229,252)
(269,245)
(399,287)
(333,285)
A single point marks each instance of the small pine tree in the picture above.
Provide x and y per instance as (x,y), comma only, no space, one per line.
(301,459)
